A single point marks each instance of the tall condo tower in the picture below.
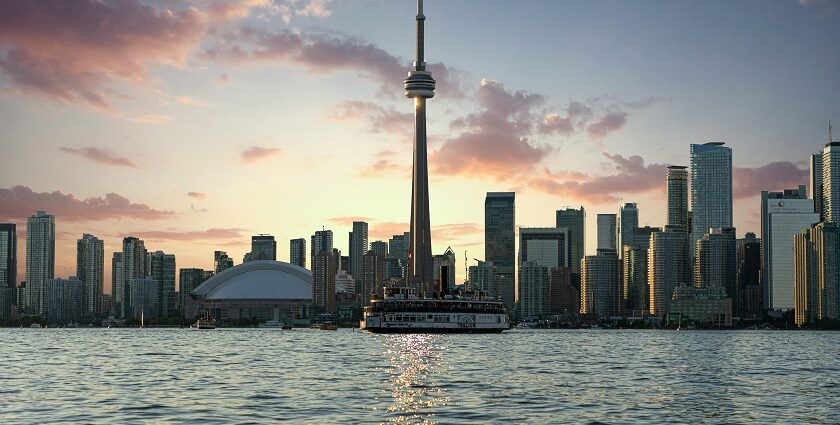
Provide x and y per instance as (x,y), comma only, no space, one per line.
(678,196)
(711,188)
(420,86)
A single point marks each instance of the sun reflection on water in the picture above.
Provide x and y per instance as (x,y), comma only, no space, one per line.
(415,367)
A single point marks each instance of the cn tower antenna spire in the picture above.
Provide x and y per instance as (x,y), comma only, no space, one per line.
(420,86)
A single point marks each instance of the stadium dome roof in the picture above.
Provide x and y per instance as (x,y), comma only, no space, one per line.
(258,280)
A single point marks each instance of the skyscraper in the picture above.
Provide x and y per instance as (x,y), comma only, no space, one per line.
(634,279)
(831,182)
(221,261)
(547,246)
(599,284)
(90,269)
(606,231)
(711,188)
(297,252)
(563,297)
(628,218)
(575,223)
(358,248)
(8,254)
(134,267)
(499,241)
(748,306)
(816,183)
(817,274)
(380,248)
(482,277)
(163,271)
(668,267)
(678,196)
(420,86)
(322,240)
(804,279)
(118,293)
(534,286)
(63,300)
(40,260)
(324,269)
(715,261)
(444,269)
(398,250)
(263,247)
(783,216)
(188,280)
(372,276)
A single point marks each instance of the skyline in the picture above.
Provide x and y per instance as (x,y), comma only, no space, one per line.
(266,164)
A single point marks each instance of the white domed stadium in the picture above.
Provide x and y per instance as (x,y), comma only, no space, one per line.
(260,290)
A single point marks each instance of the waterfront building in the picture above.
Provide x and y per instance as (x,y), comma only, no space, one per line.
(707,306)
(715,261)
(628,221)
(162,269)
(547,246)
(711,188)
(444,269)
(500,240)
(634,280)
(815,191)
(574,221)
(40,260)
(145,298)
(90,269)
(118,293)
(678,196)
(817,274)
(831,182)
(324,269)
(380,248)
(358,248)
(297,252)
(134,267)
(8,299)
(345,283)
(783,216)
(668,267)
(606,231)
(188,280)
(221,261)
(64,300)
(599,284)
(483,277)
(563,297)
(534,283)
(373,276)
(263,247)
(257,290)
(748,305)
(322,240)
(8,255)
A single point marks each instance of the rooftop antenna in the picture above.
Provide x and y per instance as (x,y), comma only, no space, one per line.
(830,139)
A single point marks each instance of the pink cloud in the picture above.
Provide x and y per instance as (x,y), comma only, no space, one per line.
(348,220)
(75,52)
(190,235)
(19,202)
(381,119)
(384,230)
(607,124)
(455,232)
(197,195)
(775,176)
(258,153)
(100,155)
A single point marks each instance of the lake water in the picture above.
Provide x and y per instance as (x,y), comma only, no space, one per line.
(311,376)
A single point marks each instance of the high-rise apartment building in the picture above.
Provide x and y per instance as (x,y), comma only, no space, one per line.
(118,293)
(373,276)
(163,271)
(534,282)
(628,221)
(815,188)
(134,267)
(297,252)
(817,274)
(358,248)
(444,270)
(145,298)
(599,284)
(831,182)
(188,280)
(575,223)
(783,216)
(221,261)
(324,269)
(499,241)
(482,277)
(90,269)
(678,196)
(668,267)
(40,260)
(263,247)
(748,305)
(563,297)
(715,261)
(322,240)
(64,300)
(711,188)
(8,255)
(606,231)
(380,248)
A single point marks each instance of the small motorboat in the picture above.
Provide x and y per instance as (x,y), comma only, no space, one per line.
(328,326)
(272,324)
(35,326)
(204,323)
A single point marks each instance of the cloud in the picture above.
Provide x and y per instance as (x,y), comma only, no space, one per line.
(191,235)
(324,53)
(348,220)
(150,119)
(454,232)
(381,119)
(386,229)
(100,155)
(76,52)
(197,195)
(631,176)
(258,153)
(223,79)
(493,140)
(188,100)
(607,124)
(315,8)
(775,176)
(828,7)
(20,201)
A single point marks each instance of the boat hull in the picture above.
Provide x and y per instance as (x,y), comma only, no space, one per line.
(388,330)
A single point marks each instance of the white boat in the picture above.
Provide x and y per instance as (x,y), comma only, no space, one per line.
(35,326)
(402,311)
(204,323)
(272,324)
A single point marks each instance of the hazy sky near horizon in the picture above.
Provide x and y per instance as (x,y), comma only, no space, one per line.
(195,124)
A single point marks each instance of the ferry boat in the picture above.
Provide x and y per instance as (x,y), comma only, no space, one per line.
(400,310)
(272,324)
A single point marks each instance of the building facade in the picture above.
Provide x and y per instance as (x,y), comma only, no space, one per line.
(8,255)
(715,261)
(263,247)
(500,241)
(221,261)
(599,284)
(188,280)
(534,283)
(709,307)
(162,269)
(749,304)
(297,252)
(40,261)
(482,277)
(678,196)
(64,299)
(606,231)
(628,221)
(358,248)
(322,240)
(831,182)
(574,221)
(145,298)
(815,181)
(324,269)
(668,267)
(711,188)
(563,297)
(373,276)
(134,267)
(90,269)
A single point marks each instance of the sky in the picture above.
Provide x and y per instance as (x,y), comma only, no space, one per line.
(196,124)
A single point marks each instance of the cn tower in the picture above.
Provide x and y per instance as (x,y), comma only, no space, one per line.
(420,86)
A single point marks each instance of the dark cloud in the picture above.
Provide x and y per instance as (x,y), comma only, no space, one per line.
(20,201)
(100,155)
